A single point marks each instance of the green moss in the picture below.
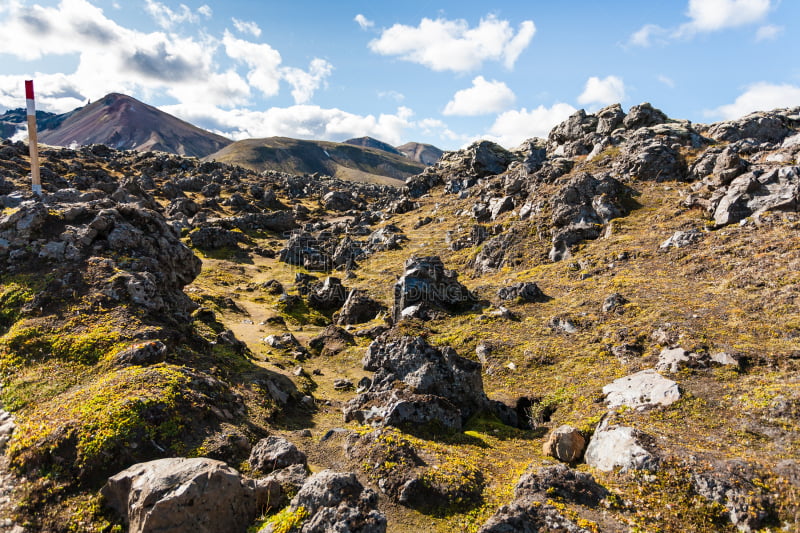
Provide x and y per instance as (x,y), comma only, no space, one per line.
(104,418)
(286,520)
(24,344)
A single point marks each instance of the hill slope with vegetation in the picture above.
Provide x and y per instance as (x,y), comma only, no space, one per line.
(597,331)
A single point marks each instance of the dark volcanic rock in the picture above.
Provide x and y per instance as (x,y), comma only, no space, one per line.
(328,295)
(581,208)
(526,291)
(358,308)
(440,386)
(529,512)
(336,501)
(274,453)
(331,341)
(425,281)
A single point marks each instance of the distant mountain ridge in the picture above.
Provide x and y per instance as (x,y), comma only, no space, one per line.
(297,156)
(125,123)
(370,142)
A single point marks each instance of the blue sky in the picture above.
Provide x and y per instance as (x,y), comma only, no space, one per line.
(444,72)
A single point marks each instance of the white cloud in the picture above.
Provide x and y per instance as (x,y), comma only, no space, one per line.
(708,16)
(609,90)
(305,84)
(167,18)
(299,121)
(484,97)
(113,58)
(392,95)
(648,35)
(452,45)
(247,27)
(666,80)
(262,60)
(768,32)
(515,126)
(363,21)
(761,96)
(714,15)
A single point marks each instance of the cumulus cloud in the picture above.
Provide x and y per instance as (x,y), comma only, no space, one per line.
(714,15)
(363,21)
(247,27)
(299,121)
(761,96)
(305,83)
(768,32)
(707,16)
(167,18)
(263,62)
(515,126)
(482,98)
(113,58)
(609,90)
(443,44)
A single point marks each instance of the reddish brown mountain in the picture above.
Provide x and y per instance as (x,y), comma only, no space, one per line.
(125,123)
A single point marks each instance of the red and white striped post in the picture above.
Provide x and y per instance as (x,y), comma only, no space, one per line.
(33,143)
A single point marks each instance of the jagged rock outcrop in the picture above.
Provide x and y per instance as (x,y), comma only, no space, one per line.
(336,501)
(440,387)
(581,209)
(426,283)
(358,308)
(461,169)
(82,239)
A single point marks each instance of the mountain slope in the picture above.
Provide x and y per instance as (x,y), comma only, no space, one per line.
(14,119)
(296,156)
(125,123)
(427,154)
(369,142)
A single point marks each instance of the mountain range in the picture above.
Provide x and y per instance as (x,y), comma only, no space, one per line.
(125,123)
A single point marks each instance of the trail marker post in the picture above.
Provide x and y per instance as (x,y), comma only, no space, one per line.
(33,142)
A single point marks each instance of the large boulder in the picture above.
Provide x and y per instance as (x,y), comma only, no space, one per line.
(643,389)
(425,281)
(358,308)
(439,385)
(621,447)
(336,502)
(176,495)
(755,192)
(274,453)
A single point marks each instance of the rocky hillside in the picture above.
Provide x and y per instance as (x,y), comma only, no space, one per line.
(597,331)
(125,123)
(341,160)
